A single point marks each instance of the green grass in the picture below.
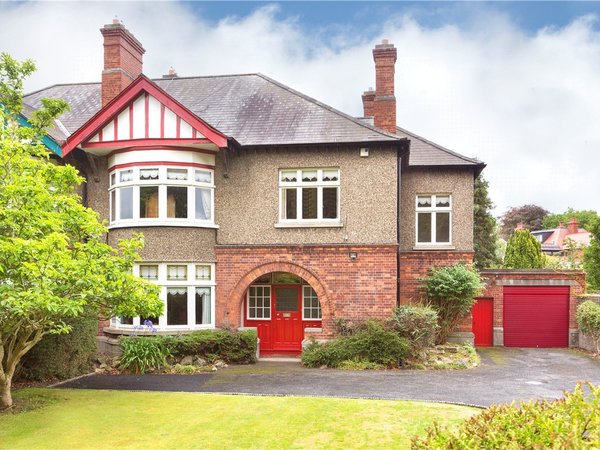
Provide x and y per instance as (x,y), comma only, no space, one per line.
(119,419)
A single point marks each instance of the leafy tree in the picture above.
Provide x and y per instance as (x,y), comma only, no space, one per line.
(485,236)
(531,216)
(451,291)
(523,251)
(53,259)
(591,258)
(585,218)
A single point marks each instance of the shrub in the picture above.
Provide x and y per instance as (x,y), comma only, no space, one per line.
(416,323)
(142,354)
(588,319)
(229,346)
(523,251)
(451,291)
(63,356)
(374,344)
(591,258)
(572,422)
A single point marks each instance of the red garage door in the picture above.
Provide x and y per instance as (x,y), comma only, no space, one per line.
(536,316)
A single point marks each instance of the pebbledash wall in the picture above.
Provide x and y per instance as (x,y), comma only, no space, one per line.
(497,279)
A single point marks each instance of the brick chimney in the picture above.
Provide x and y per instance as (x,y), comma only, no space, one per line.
(573,225)
(123,63)
(384,103)
(367,98)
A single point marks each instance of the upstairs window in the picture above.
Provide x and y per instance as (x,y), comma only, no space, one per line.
(309,195)
(434,219)
(142,196)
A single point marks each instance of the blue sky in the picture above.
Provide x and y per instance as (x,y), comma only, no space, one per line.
(516,84)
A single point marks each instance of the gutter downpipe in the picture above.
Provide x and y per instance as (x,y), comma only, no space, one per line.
(403,150)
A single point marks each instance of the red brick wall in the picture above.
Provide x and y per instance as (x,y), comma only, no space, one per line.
(384,105)
(361,288)
(495,280)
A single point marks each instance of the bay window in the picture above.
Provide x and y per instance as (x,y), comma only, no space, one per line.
(161,195)
(309,196)
(434,219)
(187,291)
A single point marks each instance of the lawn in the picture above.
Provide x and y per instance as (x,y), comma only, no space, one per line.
(118,419)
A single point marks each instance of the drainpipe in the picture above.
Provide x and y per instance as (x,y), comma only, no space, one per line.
(402,150)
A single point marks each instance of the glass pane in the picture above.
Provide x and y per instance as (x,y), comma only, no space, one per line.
(126,175)
(149,272)
(177,174)
(289,176)
(202,272)
(309,175)
(286,299)
(126,320)
(149,174)
(203,176)
(263,279)
(290,196)
(203,306)
(113,205)
(149,202)
(149,321)
(424,201)
(177,202)
(309,203)
(442,201)
(286,278)
(442,227)
(177,306)
(203,204)
(330,203)
(126,209)
(113,178)
(424,227)
(177,272)
(331,175)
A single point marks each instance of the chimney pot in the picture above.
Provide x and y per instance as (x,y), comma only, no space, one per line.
(172,73)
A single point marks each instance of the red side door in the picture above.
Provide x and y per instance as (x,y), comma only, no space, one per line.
(483,322)
(287,318)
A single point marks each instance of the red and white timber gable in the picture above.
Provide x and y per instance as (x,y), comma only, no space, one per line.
(143,117)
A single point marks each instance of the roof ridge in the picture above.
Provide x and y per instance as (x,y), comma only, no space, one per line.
(60,84)
(440,147)
(206,76)
(327,107)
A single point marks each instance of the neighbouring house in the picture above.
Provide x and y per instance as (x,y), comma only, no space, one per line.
(262,207)
(564,241)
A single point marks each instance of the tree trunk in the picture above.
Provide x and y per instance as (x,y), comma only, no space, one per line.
(5,395)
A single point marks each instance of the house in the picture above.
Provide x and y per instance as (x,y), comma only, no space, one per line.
(564,239)
(262,207)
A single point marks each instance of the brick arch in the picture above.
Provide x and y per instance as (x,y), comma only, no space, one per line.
(238,293)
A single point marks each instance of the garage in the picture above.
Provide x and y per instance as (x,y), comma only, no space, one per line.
(536,316)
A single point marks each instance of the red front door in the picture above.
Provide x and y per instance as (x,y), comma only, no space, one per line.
(287,318)
(483,322)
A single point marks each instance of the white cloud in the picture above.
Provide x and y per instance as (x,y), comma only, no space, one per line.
(526,104)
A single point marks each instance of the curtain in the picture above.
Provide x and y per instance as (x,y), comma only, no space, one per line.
(148,174)
(203,204)
(176,272)
(204,295)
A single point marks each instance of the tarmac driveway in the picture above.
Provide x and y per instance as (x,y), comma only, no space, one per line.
(504,375)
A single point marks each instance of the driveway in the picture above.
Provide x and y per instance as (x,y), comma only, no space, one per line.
(505,375)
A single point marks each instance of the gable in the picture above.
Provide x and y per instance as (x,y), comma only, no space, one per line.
(143,115)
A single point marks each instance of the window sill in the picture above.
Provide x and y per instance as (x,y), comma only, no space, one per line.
(434,247)
(163,224)
(130,330)
(309,225)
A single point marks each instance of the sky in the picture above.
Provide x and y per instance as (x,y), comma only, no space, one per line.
(515,84)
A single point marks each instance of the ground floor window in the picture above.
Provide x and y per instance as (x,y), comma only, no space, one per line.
(188,293)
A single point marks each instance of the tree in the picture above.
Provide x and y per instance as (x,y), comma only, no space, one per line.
(523,251)
(591,258)
(451,291)
(485,236)
(54,263)
(530,216)
(585,218)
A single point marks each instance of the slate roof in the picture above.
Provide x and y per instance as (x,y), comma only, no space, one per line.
(251,108)
(426,153)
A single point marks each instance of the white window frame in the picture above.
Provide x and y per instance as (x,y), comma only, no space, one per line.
(263,308)
(304,286)
(163,183)
(298,185)
(191,283)
(433,209)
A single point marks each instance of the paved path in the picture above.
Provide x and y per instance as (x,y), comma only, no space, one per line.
(504,375)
